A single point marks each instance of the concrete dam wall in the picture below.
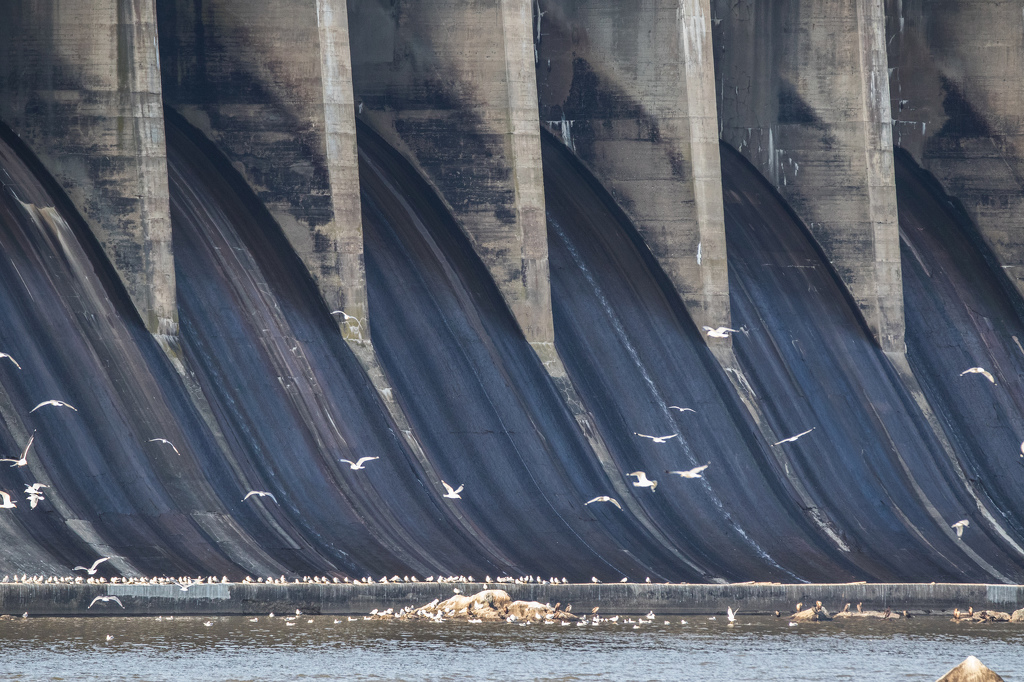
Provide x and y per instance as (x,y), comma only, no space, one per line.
(435,279)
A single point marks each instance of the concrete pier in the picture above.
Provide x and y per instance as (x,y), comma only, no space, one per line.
(630,89)
(617,598)
(80,84)
(802,94)
(450,84)
(270,84)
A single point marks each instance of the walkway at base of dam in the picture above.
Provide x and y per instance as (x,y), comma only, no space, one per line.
(50,599)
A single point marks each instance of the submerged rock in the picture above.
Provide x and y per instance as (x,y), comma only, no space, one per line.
(971,670)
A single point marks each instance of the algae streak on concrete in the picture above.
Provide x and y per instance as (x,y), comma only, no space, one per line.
(630,89)
(617,598)
(80,84)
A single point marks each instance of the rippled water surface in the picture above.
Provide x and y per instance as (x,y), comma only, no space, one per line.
(759,648)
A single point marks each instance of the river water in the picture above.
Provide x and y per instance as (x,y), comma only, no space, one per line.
(757,648)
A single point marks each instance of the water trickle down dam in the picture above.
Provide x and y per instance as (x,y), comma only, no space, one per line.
(453,375)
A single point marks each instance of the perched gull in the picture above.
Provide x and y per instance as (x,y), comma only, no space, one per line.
(261,493)
(453,493)
(24,454)
(959,526)
(721,332)
(345,316)
(8,504)
(681,409)
(979,370)
(5,355)
(356,466)
(642,481)
(164,440)
(106,599)
(692,473)
(793,438)
(55,403)
(92,569)
(605,498)
(656,439)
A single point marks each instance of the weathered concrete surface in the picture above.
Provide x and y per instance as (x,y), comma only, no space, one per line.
(631,90)
(630,598)
(270,83)
(957,89)
(451,85)
(80,84)
(802,88)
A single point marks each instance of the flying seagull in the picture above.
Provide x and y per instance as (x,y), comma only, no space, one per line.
(656,439)
(642,481)
(604,498)
(356,466)
(979,370)
(106,598)
(92,569)
(55,403)
(261,493)
(345,316)
(24,454)
(793,438)
(721,332)
(692,473)
(164,440)
(731,615)
(960,525)
(453,493)
(8,504)
(35,488)
(681,409)
(5,355)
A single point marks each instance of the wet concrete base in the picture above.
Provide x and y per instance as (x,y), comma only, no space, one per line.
(937,599)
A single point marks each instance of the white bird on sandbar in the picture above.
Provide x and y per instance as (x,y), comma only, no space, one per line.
(656,439)
(55,403)
(357,465)
(721,332)
(692,473)
(453,493)
(24,454)
(681,409)
(793,438)
(642,481)
(261,493)
(164,440)
(5,355)
(604,498)
(959,526)
(8,504)
(979,370)
(106,598)
(345,317)
(92,569)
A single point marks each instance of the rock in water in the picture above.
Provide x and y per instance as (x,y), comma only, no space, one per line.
(971,670)
(1018,616)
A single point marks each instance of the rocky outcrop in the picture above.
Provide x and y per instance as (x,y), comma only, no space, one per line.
(488,605)
(971,670)
(1017,616)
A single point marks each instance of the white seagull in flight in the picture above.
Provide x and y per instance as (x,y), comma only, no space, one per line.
(721,332)
(453,493)
(92,569)
(604,498)
(345,316)
(55,403)
(692,473)
(642,481)
(979,370)
(356,466)
(5,355)
(24,454)
(656,439)
(261,493)
(959,526)
(106,598)
(793,438)
(681,409)
(8,504)
(164,440)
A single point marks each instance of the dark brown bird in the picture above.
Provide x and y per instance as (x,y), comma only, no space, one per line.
(887,613)
(778,615)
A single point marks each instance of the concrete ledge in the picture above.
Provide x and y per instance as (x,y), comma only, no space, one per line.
(664,600)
